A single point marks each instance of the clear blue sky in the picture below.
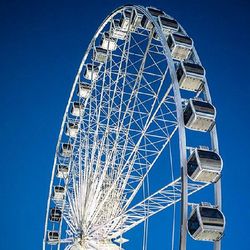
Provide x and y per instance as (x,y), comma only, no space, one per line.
(41,46)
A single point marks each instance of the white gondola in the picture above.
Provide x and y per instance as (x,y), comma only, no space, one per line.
(62,171)
(76,109)
(206,223)
(55,214)
(72,129)
(155,12)
(146,23)
(100,55)
(53,237)
(199,115)
(190,76)
(84,90)
(180,46)
(168,25)
(126,21)
(91,72)
(66,149)
(108,42)
(58,193)
(137,18)
(204,165)
(116,31)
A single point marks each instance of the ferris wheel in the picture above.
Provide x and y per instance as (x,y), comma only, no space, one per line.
(140,93)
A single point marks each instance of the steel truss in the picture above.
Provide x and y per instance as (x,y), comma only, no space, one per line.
(134,110)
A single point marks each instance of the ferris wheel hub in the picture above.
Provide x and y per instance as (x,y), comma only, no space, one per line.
(95,245)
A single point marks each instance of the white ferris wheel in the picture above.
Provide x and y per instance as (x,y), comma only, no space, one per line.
(140,93)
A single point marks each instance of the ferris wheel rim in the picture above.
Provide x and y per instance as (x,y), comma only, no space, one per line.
(178,101)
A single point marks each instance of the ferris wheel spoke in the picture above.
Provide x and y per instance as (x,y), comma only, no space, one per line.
(150,121)
(103,144)
(145,169)
(140,76)
(108,193)
(160,200)
(155,203)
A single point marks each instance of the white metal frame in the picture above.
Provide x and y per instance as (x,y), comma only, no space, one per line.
(139,135)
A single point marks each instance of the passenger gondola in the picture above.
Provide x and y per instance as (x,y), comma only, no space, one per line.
(146,23)
(190,76)
(91,72)
(53,237)
(167,25)
(126,21)
(72,129)
(108,42)
(155,12)
(100,55)
(66,149)
(199,115)
(55,214)
(206,223)
(204,165)
(116,31)
(180,46)
(59,193)
(137,18)
(76,109)
(62,171)
(84,90)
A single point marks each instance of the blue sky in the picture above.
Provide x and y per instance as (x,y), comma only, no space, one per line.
(41,46)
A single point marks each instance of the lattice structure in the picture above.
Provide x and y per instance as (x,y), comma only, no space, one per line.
(124,108)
